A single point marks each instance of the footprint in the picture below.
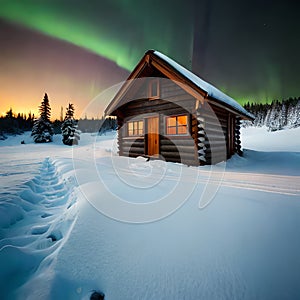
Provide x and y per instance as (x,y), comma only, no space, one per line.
(46,215)
(39,229)
(55,235)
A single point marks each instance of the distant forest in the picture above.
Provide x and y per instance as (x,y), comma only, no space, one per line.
(12,124)
(275,116)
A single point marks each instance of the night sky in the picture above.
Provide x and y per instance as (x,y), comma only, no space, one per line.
(75,49)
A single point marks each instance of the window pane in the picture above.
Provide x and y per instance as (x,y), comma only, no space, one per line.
(182,120)
(182,129)
(171,130)
(130,128)
(177,125)
(135,128)
(171,121)
(130,132)
(141,125)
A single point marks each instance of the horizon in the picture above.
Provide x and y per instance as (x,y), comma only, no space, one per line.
(98,116)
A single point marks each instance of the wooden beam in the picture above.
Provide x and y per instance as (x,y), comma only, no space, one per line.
(184,84)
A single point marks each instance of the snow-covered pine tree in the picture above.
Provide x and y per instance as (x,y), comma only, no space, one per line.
(291,114)
(297,114)
(274,116)
(277,115)
(42,130)
(70,133)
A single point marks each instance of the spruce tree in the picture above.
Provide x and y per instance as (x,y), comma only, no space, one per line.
(70,133)
(42,130)
(297,114)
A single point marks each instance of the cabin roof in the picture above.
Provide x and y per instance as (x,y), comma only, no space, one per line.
(185,74)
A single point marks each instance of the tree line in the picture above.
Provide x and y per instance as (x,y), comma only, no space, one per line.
(15,124)
(43,129)
(275,116)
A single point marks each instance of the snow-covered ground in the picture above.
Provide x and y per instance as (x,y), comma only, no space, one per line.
(77,220)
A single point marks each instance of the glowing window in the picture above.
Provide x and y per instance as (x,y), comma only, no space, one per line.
(135,128)
(176,125)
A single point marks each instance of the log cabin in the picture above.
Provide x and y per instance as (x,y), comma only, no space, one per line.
(167,112)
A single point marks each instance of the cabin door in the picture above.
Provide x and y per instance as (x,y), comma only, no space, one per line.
(153,136)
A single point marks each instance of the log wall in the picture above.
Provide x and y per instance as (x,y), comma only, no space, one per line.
(214,132)
(173,101)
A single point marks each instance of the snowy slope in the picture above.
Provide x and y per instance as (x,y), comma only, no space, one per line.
(57,241)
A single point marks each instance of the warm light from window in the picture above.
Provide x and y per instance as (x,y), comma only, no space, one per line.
(176,125)
(135,128)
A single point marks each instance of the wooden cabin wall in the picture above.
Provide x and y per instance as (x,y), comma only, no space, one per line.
(173,101)
(180,148)
(129,146)
(212,137)
(133,147)
(213,141)
(230,135)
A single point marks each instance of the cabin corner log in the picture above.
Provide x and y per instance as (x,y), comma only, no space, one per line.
(237,138)
(202,138)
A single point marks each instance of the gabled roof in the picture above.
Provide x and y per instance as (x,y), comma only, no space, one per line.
(184,75)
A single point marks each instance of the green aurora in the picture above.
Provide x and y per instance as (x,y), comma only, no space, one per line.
(69,23)
(248,51)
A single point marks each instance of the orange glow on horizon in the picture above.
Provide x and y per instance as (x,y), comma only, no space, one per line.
(28,101)
(38,64)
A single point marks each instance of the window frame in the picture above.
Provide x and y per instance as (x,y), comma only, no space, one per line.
(150,89)
(140,131)
(177,125)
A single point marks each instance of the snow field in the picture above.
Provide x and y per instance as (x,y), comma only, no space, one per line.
(56,244)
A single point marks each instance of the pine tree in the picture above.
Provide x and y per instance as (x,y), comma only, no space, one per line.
(42,130)
(277,115)
(9,114)
(283,116)
(70,133)
(297,114)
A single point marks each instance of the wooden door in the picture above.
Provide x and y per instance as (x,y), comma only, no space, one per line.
(153,136)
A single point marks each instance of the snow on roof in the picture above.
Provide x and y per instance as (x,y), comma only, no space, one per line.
(207,87)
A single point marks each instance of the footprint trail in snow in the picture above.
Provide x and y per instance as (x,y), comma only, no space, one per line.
(34,224)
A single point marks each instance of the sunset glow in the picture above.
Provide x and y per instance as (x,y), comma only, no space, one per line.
(39,65)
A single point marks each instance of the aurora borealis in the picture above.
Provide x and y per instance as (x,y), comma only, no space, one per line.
(248,49)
